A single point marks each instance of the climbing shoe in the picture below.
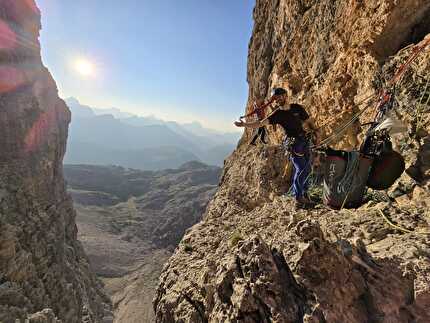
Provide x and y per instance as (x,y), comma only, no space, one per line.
(304,204)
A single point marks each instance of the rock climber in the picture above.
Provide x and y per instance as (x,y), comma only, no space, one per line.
(298,127)
(260,112)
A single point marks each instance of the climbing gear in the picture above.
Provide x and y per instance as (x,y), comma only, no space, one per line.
(402,69)
(288,144)
(386,169)
(377,166)
(345,176)
(386,99)
(296,145)
(258,110)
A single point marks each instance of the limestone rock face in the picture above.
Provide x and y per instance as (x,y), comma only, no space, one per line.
(42,265)
(254,258)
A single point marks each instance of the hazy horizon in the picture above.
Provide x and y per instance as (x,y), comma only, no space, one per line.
(180,62)
(132,114)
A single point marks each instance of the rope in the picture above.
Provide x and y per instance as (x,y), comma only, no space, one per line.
(351,167)
(357,104)
(355,160)
(271,113)
(330,138)
(403,67)
(256,108)
(396,78)
(346,198)
(399,227)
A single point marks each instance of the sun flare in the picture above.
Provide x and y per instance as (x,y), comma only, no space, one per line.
(84,67)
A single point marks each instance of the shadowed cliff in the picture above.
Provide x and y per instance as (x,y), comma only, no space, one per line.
(44,272)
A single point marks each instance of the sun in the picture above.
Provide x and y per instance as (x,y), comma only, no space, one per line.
(84,67)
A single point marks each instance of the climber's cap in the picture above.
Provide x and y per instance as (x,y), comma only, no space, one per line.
(277,91)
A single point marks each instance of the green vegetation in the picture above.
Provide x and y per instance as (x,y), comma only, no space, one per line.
(235,238)
(188,247)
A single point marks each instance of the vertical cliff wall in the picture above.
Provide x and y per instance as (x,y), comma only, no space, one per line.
(42,265)
(254,258)
(330,54)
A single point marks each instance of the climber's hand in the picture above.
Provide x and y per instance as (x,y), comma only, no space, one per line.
(239,123)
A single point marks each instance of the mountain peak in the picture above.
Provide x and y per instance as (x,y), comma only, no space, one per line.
(192,165)
(72,100)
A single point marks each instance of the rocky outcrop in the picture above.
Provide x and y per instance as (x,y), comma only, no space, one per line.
(44,272)
(255,284)
(128,238)
(254,258)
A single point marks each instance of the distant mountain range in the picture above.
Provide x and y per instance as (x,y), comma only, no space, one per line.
(112,137)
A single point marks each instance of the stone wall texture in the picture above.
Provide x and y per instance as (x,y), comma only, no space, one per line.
(44,273)
(254,258)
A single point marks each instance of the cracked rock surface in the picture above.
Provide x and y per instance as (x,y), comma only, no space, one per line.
(44,272)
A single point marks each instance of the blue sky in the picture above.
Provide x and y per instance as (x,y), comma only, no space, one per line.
(178,60)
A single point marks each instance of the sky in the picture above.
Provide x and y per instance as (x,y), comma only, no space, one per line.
(177,60)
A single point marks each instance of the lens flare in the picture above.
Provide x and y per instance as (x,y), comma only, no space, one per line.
(84,67)
(38,134)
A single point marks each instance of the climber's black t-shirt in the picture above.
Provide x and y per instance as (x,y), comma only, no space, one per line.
(291,120)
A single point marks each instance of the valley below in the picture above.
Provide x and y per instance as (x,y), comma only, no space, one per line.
(130,221)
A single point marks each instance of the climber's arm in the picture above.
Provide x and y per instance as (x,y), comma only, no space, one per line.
(252,125)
